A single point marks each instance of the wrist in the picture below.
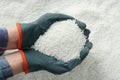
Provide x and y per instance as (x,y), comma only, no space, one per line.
(12,38)
(15,62)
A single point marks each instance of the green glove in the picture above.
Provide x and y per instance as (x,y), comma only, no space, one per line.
(34,61)
(30,32)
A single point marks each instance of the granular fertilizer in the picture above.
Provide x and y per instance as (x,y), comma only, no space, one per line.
(63,40)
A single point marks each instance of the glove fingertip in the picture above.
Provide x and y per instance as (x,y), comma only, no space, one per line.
(89,45)
(81,25)
(84,53)
(86,32)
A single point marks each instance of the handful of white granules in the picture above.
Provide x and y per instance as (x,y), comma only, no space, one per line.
(63,40)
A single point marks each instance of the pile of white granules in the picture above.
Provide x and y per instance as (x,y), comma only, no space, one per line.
(63,40)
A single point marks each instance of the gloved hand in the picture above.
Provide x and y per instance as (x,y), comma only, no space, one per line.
(34,61)
(30,32)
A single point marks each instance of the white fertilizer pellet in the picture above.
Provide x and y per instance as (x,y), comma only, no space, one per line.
(63,40)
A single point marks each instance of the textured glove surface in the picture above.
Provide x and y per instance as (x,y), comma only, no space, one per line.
(39,61)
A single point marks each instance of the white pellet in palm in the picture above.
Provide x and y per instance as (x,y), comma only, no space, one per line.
(63,40)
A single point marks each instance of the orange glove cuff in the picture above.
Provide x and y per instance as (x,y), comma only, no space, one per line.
(25,64)
(20,35)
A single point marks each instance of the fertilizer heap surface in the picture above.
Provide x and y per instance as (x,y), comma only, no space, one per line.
(63,40)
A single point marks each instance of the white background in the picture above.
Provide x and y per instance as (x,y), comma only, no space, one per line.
(102,18)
